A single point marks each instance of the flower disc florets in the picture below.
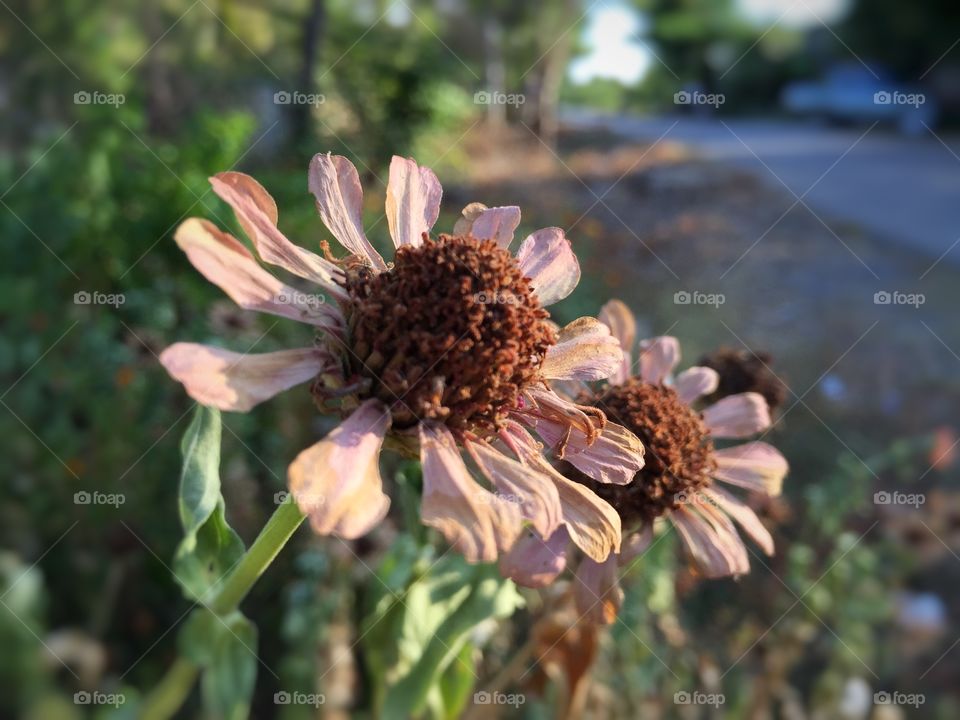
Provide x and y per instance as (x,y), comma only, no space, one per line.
(451,332)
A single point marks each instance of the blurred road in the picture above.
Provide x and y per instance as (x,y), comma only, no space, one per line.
(907,189)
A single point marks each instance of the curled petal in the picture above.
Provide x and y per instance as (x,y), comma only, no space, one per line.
(695,382)
(744,516)
(335,183)
(737,416)
(535,563)
(544,404)
(623,326)
(756,466)
(225,262)
(615,456)
(532,491)
(478,523)
(658,357)
(336,482)
(235,381)
(546,257)
(597,590)
(716,553)
(257,214)
(413,201)
(585,350)
(483,223)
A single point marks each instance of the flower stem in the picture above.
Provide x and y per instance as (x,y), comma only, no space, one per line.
(167,697)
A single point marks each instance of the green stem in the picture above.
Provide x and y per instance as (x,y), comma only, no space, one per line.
(173,689)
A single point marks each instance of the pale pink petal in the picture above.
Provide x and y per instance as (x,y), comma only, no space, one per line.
(593,524)
(535,563)
(336,482)
(737,416)
(696,382)
(623,326)
(464,224)
(237,381)
(585,350)
(716,555)
(744,516)
(532,491)
(496,223)
(636,544)
(472,519)
(257,214)
(539,403)
(335,183)
(546,257)
(755,466)
(597,591)
(413,201)
(724,528)
(225,262)
(658,357)
(615,456)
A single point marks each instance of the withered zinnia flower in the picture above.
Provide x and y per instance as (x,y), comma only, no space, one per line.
(448,347)
(684,475)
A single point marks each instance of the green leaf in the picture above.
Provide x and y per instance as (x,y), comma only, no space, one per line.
(209,547)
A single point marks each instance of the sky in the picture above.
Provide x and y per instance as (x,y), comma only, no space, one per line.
(617,53)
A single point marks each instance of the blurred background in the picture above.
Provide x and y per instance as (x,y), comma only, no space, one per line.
(762,176)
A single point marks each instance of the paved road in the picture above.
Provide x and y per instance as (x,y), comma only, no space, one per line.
(907,189)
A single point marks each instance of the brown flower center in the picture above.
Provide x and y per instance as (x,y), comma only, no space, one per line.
(679,451)
(452,332)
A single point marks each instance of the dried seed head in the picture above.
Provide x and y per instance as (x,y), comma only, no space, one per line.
(743,371)
(679,451)
(452,332)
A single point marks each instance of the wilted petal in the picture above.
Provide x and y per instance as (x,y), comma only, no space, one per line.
(658,357)
(225,262)
(755,466)
(413,201)
(471,518)
(744,516)
(623,326)
(335,183)
(696,382)
(257,214)
(237,381)
(715,554)
(336,482)
(636,544)
(496,223)
(737,416)
(546,257)
(535,563)
(532,491)
(597,590)
(585,350)
(615,456)
(544,404)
